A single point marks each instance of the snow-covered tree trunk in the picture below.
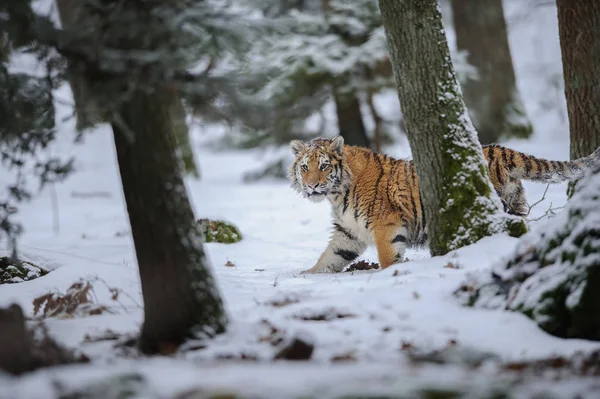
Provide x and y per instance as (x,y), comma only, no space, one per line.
(554,274)
(579,33)
(182,136)
(458,199)
(493,100)
(180,295)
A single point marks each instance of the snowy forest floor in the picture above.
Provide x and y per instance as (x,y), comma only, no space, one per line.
(365,325)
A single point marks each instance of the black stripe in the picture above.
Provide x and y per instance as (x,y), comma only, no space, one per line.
(411,187)
(344,231)
(499,174)
(491,157)
(505,157)
(527,162)
(371,208)
(423,224)
(511,162)
(347,255)
(539,162)
(346,201)
(546,168)
(399,238)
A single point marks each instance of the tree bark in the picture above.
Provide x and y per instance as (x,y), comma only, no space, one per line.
(182,136)
(16,349)
(180,295)
(349,116)
(87,111)
(493,100)
(579,33)
(453,177)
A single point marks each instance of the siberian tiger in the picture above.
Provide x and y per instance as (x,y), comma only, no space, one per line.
(375,198)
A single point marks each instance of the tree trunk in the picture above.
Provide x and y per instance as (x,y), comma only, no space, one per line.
(493,100)
(453,177)
(180,296)
(87,112)
(350,120)
(579,33)
(16,349)
(182,136)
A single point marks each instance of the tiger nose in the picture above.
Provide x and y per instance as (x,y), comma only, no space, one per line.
(312,186)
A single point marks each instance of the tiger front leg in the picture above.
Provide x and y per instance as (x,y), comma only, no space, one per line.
(343,248)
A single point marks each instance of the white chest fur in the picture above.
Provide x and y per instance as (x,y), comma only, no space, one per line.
(356,226)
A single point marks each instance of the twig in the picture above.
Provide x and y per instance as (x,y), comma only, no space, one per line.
(549,211)
(542,199)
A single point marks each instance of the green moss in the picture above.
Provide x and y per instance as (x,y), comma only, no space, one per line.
(521,131)
(18,271)
(516,227)
(219,231)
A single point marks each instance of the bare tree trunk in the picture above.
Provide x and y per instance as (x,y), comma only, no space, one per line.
(180,295)
(16,350)
(579,33)
(350,120)
(493,100)
(377,120)
(453,177)
(71,13)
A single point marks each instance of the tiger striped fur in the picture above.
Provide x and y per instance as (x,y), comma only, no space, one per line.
(375,198)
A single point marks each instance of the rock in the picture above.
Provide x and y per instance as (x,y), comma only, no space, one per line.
(299,348)
(219,231)
(17,271)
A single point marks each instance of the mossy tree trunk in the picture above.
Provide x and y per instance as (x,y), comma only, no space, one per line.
(350,121)
(453,177)
(579,33)
(180,295)
(493,100)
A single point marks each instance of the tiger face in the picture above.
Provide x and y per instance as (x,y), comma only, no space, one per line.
(320,168)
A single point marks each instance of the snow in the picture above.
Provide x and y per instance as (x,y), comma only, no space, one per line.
(410,303)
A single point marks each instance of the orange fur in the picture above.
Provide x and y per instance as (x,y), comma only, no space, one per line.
(375,198)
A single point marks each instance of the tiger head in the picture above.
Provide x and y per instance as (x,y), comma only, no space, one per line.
(320,168)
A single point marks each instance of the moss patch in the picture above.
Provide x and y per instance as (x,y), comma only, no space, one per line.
(219,231)
(17,271)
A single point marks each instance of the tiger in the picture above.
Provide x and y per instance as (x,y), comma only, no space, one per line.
(375,198)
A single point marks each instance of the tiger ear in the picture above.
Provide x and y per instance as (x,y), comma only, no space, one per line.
(337,144)
(297,146)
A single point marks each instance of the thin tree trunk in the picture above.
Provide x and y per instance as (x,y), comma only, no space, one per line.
(493,100)
(71,13)
(180,296)
(350,120)
(579,32)
(453,177)
(182,135)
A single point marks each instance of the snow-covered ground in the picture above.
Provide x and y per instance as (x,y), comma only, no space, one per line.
(371,317)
